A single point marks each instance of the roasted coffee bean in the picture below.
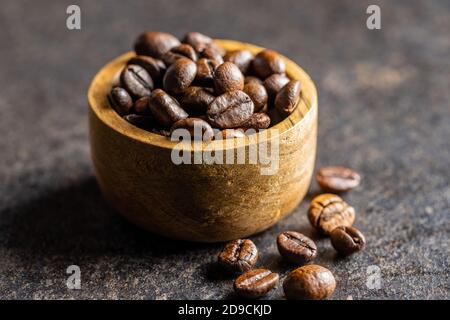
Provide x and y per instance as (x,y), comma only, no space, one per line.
(228,77)
(230,110)
(249,79)
(205,72)
(120,100)
(287,98)
(197,40)
(257,93)
(165,109)
(239,255)
(160,131)
(180,51)
(155,44)
(310,282)
(195,100)
(179,76)
(141,106)
(140,121)
(155,68)
(337,179)
(198,128)
(257,121)
(274,83)
(213,52)
(136,81)
(328,211)
(347,240)
(268,62)
(229,134)
(241,58)
(275,116)
(255,283)
(296,247)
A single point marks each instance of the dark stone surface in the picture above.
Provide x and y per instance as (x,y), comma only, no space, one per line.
(384,111)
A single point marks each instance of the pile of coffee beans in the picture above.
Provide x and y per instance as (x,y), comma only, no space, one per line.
(330,215)
(172,84)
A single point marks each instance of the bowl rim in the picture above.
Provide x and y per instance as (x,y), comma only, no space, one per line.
(103,79)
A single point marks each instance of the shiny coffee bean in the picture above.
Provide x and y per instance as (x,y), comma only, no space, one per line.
(199,129)
(255,283)
(205,72)
(257,121)
(155,68)
(228,77)
(257,93)
(347,240)
(140,121)
(274,83)
(229,134)
(165,109)
(328,211)
(180,51)
(238,256)
(120,100)
(296,247)
(241,58)
(213,52)
(136,81)
(268,62)
(195,100)
(337,179)
(141,106)
(197,40)
(230,110)
(310,282)
(287,98)
(155,44)
(179,76)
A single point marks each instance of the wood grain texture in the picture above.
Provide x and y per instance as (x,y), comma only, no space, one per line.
(200,202)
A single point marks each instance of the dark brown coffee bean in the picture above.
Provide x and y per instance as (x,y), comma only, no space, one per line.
(179,76)
(239,255)
(195,100)
(140,121)
(274,83)
(296,247)
(165,109)
(197,40)
(310,282)
(199,129)
(275,116)
(228,77)
(180,51)
(241,58)
(347,240)
(213,52)
(255,283)
(205,72)
(268,62)
(337,179)
(257,93)
(287,98)
(230,110)
(229,134)
(136,81)
(155,68)
(249,79)
(155,44)
(160,131)
(141,106)
(328,211)
(257,121)
(120,100)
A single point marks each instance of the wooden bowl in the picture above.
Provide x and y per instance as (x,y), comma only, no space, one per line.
(200,202)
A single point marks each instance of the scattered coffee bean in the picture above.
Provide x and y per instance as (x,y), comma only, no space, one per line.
(274,83)
(328,211)
(228,77)
(120,100)
(310,282)
(136,81)
(155,68)
(229,134)
(140,121)
(257,121)
(213,52)
(241,58)
(155,44)
(296,247)
(179,76)
(180,51)
(197,40)
(141,106)
(165,109)
(239,255)
(268,62)
(337,179)
(347,240)
(205,72)
(230,110)
(195,100)
(287,98)
(257,93)
(255,283)
(199,129)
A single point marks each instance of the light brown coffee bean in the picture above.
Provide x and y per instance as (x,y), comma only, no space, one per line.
(238,255)
(181,51)
(165,109)
(255,283)
(257,93)
(337,179)
(296,247)
(230,110)
(179,76)
(228,77)
(347,240)
(205,72)
(268,62)
(310,282)
(287,98)
(155,44)
(328,211)
(198,129)
(195,100)
(241,58)
(257,121)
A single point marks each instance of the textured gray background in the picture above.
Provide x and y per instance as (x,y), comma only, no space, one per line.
(384,110)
